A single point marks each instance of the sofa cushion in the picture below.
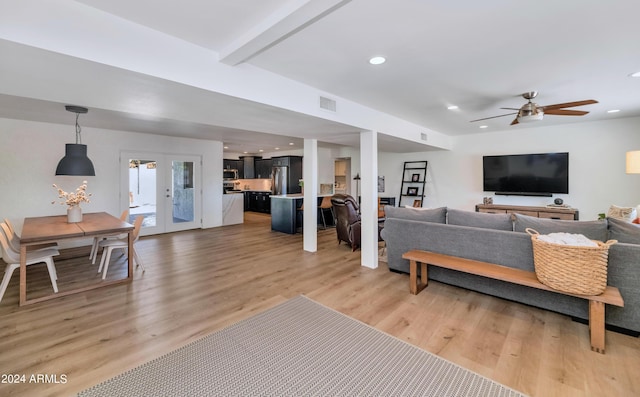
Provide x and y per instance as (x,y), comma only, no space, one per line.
(594,230)
(436,215)
(627,214)
(479,219)
(623,231)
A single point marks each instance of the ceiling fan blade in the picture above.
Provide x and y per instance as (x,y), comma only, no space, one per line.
(514,122)
(511,108)
(493,117)
(568,104)
(565,112)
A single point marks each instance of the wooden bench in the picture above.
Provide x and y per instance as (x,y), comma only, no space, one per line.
(610,296)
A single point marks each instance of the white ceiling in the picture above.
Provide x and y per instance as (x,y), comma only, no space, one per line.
(478,55)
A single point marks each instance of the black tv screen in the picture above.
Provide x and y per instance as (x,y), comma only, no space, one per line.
(526,174)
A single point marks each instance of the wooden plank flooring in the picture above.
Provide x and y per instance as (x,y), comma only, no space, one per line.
(200,281)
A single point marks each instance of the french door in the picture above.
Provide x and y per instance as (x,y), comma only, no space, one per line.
(164,189)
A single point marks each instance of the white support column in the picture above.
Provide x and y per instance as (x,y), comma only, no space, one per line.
(310,177)
(369,198)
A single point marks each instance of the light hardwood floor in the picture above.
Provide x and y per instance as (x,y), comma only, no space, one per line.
(200,281)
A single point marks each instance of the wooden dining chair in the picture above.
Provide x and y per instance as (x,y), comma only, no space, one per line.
(12,258)
(94,246)
(109,245)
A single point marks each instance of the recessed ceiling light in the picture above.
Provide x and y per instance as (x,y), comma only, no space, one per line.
(261,150)
(636,74)
(291,144)
(245,152)
(452,107)
(613,111)
(225,147)
(377,60)
(484,126)
(277,148)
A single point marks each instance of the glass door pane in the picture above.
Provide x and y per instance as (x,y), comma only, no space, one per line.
(143,191)
(182,191)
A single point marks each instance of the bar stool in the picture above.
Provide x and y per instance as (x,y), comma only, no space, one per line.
(325,205)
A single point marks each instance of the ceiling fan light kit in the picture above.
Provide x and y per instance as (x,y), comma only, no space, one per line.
(530,118)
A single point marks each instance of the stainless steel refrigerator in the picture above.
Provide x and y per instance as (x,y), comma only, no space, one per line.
(279,180)
(286,173)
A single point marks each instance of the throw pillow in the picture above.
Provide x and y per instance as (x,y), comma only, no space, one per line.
(622,231)
(435,215)
(479,219)
(594,230)
(624,213)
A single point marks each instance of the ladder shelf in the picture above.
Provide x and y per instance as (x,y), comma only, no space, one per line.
(414,178)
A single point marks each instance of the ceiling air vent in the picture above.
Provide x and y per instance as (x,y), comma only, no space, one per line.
(327,104)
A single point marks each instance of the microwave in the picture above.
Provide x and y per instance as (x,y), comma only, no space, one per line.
(230,175)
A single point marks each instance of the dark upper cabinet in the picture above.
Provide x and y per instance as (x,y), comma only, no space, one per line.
(231,164)
(263,168)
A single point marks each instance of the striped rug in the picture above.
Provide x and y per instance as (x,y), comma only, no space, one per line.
(299,348)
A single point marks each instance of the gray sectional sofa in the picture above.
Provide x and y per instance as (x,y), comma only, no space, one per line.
(497,238)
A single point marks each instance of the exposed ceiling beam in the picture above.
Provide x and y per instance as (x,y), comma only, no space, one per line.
(277,27)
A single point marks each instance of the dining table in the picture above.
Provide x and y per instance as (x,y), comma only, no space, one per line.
(48,229)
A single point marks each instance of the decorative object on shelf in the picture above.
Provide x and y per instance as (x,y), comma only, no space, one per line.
(412,191)
(73,200)
(487,200)
(415,178)
(417,203)
(558,201)
(75,160)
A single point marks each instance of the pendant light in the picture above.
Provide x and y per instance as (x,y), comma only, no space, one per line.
(75,160)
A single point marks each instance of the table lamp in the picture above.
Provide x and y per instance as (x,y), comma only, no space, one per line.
(633,162)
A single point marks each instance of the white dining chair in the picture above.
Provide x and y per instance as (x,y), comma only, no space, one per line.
(12,258)
(14,239)
(121,243)
(94,246)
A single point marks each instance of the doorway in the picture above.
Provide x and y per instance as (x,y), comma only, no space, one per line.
(164,189)
(342,176)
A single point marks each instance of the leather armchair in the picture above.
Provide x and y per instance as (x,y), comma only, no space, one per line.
(348,223)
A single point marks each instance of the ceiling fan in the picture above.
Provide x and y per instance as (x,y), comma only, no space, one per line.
(531,111)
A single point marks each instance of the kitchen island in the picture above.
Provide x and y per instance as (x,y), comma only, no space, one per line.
(285,209)
(232,208)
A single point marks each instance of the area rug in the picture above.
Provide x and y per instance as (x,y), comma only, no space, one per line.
(299,348)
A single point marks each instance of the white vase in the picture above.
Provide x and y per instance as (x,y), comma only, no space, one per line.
(74,214)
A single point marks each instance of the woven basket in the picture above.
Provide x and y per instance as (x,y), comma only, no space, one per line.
(569,268)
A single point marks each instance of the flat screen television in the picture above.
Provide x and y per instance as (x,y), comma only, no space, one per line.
(526,174)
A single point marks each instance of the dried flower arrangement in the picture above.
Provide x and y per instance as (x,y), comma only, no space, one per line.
(74,198)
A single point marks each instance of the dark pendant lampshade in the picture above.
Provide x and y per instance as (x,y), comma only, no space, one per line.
(75,161)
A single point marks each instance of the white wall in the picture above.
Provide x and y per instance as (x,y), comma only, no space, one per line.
(597,176)
(30,152)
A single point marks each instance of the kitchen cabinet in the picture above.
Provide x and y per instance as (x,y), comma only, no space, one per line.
(258,202)
(263,168)
(231,164)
